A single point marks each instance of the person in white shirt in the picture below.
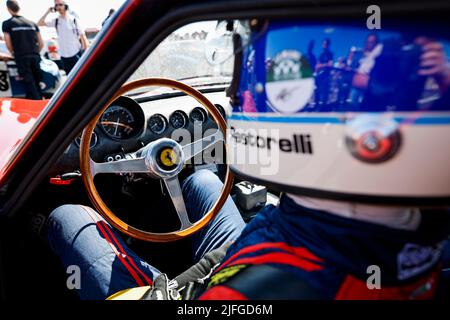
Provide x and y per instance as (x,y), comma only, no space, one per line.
(71,37)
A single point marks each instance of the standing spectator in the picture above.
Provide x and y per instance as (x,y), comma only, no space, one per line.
(311,56)
(366,61)
(71,38)
(111,12)
(326,56)
(323,74)
(372,50)
(24,41)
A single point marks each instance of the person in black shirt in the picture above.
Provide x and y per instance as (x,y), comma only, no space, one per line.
(24,41)
(326,57)
(323,75)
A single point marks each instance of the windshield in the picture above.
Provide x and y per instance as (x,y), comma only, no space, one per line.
(199,54)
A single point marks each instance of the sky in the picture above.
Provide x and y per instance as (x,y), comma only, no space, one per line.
(91,12)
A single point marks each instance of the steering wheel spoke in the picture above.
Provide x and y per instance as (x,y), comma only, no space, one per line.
(174,189)
(192,149)
(121,166)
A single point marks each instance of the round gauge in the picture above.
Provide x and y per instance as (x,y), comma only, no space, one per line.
(157,123)
(221,110)
(118,122)
(93,143)
(198,115)
(178,119)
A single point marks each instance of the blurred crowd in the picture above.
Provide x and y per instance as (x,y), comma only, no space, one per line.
(25,44)
(350,80)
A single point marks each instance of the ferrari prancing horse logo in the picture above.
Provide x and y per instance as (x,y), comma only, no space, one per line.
(169,157)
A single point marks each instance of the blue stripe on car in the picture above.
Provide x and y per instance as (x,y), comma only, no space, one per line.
(418,121)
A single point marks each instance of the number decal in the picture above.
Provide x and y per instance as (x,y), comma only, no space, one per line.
(4,81)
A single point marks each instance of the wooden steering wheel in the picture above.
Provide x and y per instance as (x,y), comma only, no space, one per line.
(161,159)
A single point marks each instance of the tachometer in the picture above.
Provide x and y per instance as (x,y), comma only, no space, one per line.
(118,122)
(178,119)
(157,123)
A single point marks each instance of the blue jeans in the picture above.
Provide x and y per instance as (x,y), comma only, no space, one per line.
(80,237)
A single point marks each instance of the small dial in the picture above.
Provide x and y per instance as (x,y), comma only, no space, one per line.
(94,140)
(118,122)
(157,123)
(221,110)
(198,115)
(178,119)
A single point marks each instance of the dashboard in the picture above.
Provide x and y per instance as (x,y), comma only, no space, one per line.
(130,123)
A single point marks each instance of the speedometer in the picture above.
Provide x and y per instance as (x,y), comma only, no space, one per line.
(118,122)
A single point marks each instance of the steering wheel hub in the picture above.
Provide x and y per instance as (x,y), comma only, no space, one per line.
(164,158)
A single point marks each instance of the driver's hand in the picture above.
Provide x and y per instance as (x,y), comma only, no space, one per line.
(161,290)
(195,279)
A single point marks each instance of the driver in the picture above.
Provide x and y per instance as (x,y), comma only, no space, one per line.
(349,226)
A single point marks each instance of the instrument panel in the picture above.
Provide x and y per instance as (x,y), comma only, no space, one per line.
(126,119)
(129,124)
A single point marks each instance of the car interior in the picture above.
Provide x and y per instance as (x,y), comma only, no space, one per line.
(199,53)
(130,122)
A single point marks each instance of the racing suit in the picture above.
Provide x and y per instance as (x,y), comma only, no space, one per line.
(285,252)
(317,255)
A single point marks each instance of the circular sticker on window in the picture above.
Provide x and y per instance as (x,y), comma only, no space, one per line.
(289,81)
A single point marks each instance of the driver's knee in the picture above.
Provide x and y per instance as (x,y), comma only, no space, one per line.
(200,191)
(202,181)
(64,223)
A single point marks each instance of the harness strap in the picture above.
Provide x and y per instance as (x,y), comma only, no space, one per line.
(74,22)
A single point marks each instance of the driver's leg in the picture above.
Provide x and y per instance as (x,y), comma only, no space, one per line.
(81,238)
(200,191)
